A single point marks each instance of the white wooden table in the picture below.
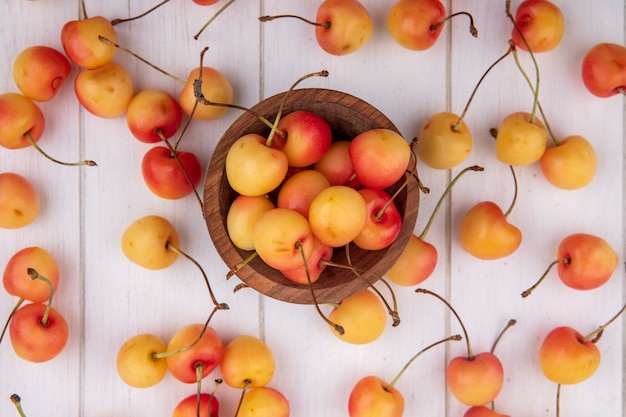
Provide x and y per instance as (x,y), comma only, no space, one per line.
(107,299)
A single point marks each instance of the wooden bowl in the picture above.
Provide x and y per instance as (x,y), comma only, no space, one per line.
(347,116)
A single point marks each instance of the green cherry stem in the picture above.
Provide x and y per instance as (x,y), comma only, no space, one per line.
(162,355)
(532,56)
(128,19)
(33,274)
(241,264)
(472,28)
(598,332)
(390,386)
(457,125)
(6,324)
(445,193)
(510,209)
(198,366)
(111,43)
(17,402)
(558,400)
(216,385)
(173,248)
(246,384)
(322,73)
(33,143)
(338,328)
(470,355)
(197,35)
(527,292)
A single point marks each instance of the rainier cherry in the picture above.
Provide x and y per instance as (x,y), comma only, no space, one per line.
(147,242)
(81,43)
(584,262)
(307,138)
(248,362)
(383,223)
(337,166)
(520,140)
(19,201)
(362,316)
(105,91)
(153,115)
(136,364)
(571,164)
(18,282)
(341,26)
(242,214)
(164,176)
(40,71)
(263,402)
(603,69)
(215,88)
(189,406)
(541,24)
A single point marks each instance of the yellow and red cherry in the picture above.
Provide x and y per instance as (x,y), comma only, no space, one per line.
(165,177)
(362,316)
(341,26)
(38,332)
(337,215)
(105,91)
(307,138)
(486,233)
(603,69)
(253,168)
(243,212)
(136,364)
(19,201)
(521,139)
(188,407)
(571,164)
(248,362)
(300,189)
(205,2)
(380,157)
(315,264)
(193,352)
(482,411)
(21,121)
(541,24)
(147,242)
(584,262)
(18,282)
(566,357)
(443,142)
(263,402)
(383,223)
(215,88)
(82,45)
(336,165)
(153,115)
(40,71)
(282,238)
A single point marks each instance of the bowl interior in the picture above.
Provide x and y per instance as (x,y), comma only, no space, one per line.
(347,116)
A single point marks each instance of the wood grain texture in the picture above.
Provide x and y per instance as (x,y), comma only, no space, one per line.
(107,299)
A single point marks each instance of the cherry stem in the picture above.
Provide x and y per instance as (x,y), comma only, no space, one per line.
(32,141)
(11,314)
(322,73)
(83,8)
(246,384)
(598,332)
(17,402)
(470,355)
(241,264)
(200,98)
(338,328)
(216,385)
(197,35)
(390,386)
(412,174)
(510,324)
(472,28)
(457,125)
(621,90)
(156,356)
(111,43)
(510,209)
(33,274)
(325,25)
(558,400)
(198,366)
(393,312)
(174,154)
(530,84)
(532,56)
(557,261)
(128,19)
(445,193)
(220,306)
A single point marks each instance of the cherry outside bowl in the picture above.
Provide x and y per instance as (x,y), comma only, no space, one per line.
(347,116)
